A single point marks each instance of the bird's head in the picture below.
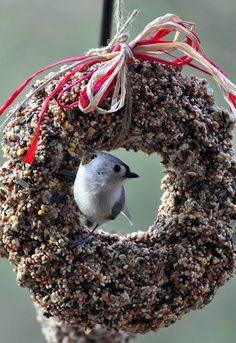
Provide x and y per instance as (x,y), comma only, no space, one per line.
(104,167)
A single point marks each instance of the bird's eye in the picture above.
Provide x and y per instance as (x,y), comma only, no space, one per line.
(117,168)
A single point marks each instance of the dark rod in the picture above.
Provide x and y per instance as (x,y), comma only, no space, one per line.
(106,21)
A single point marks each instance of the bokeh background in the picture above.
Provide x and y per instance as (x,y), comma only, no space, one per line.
(36,33)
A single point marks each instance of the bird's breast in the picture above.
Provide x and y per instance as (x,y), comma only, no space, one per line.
(96,201)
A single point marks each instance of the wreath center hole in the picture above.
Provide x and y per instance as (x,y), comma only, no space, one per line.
(143,195)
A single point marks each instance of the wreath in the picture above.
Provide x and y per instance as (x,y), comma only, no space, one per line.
(127,98)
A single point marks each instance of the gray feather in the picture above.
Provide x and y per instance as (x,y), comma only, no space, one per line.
(126,214)
(119,205)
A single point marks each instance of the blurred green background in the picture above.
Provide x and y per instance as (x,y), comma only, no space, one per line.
(36,33)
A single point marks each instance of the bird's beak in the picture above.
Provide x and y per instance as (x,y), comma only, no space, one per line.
(131,175)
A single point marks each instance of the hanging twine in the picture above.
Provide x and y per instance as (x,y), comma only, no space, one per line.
(109,73)
(119,18)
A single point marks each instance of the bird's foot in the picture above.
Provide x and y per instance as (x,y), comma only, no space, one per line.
(82,241)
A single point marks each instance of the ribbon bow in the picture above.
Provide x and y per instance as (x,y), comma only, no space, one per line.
(106,73)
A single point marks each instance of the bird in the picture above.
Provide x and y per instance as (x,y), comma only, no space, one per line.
(99,191)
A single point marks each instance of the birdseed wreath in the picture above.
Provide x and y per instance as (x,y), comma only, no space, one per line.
(144,280)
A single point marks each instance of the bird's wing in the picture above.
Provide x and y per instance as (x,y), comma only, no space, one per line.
(126,214)
(119,205)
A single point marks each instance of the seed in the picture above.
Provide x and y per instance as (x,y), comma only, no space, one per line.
(108,119)
(72,145)
(41,212)
(181,217)
(20,152)
(192,173)
(91,131)
(26,173)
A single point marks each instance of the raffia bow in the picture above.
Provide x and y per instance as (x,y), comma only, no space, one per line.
(109,71)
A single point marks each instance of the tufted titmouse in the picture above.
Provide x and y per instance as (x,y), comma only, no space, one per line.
(99,191)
